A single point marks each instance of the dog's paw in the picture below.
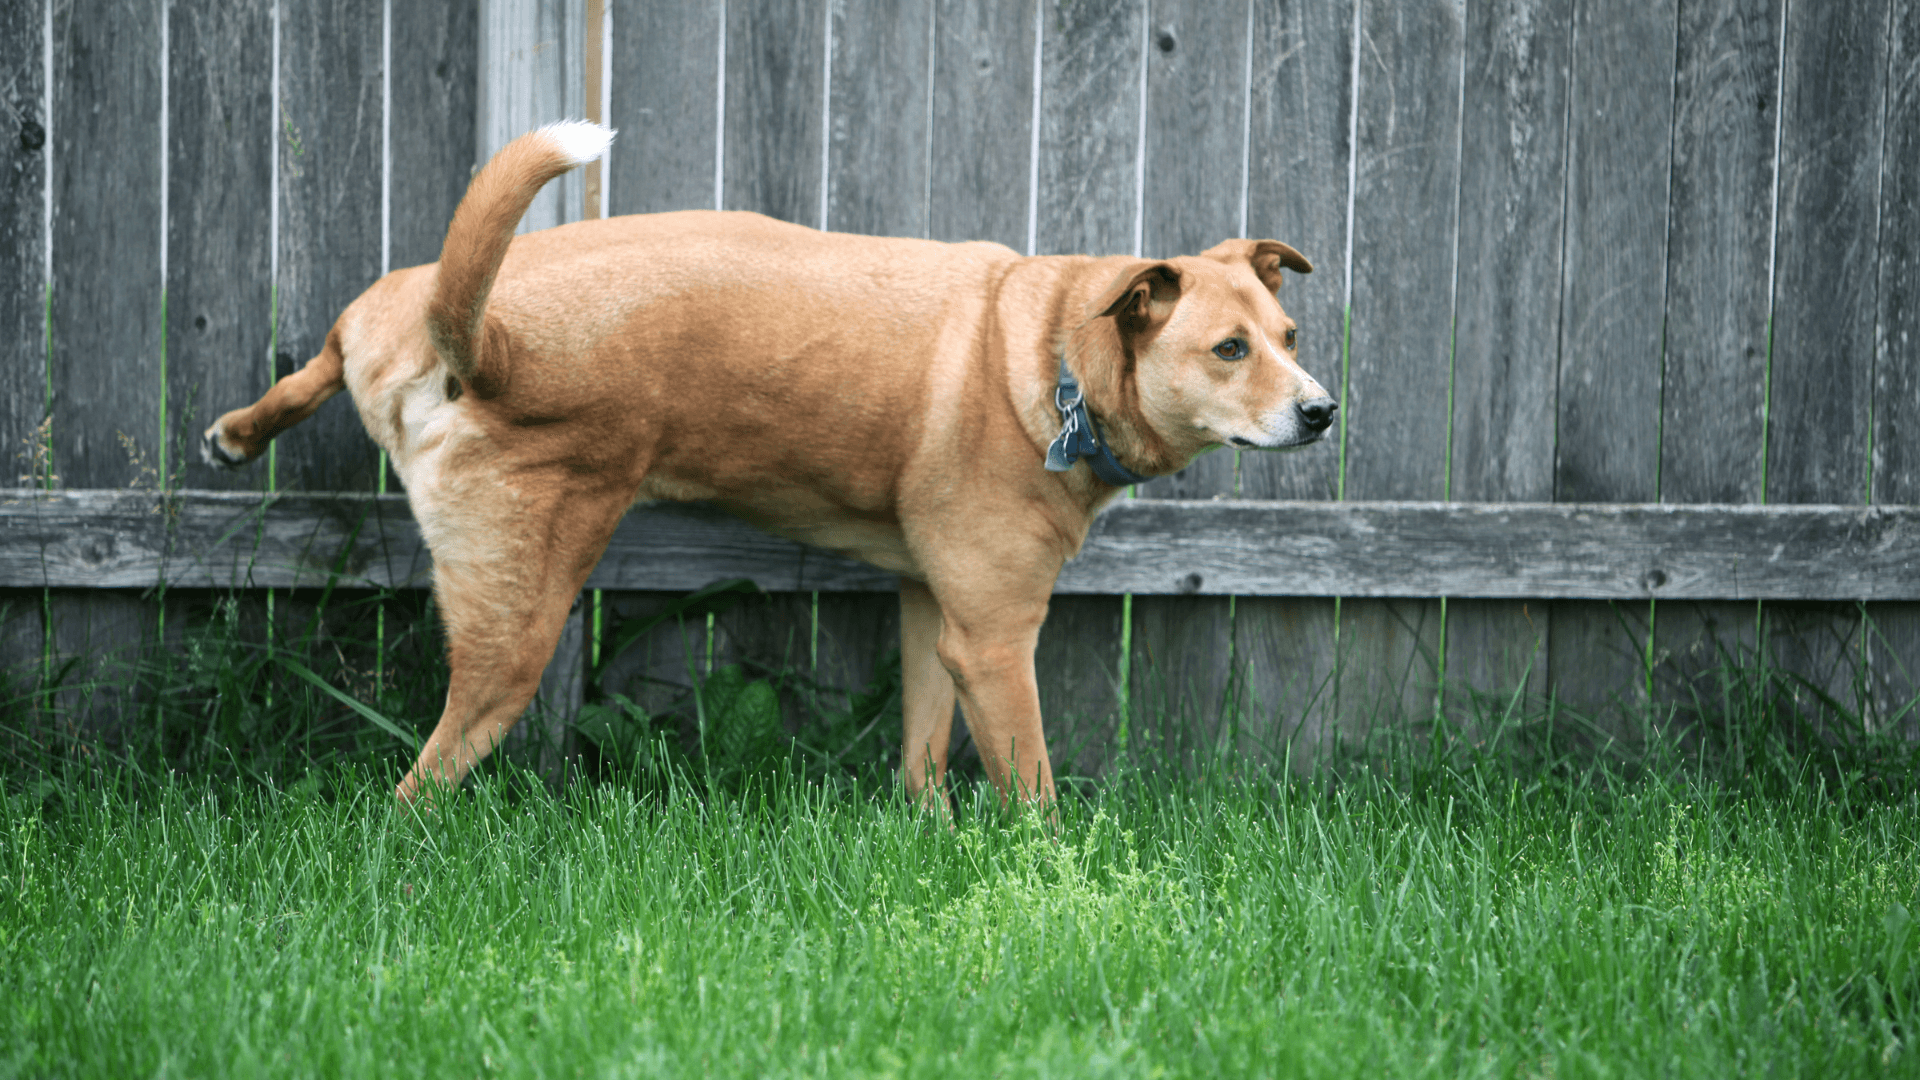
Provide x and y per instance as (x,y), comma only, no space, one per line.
(215,454)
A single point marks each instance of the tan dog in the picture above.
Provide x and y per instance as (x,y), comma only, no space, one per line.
(890,400)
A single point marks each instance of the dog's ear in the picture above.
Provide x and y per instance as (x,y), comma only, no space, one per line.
(1142,294)
(1267,257)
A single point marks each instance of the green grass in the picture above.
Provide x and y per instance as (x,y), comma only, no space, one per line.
(1455,922)
(223,886)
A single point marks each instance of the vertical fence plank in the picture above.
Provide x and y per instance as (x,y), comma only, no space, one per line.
(775,70)
(435,84)
(23,314)
(1507,314)
(1825,304)
(982,130)
(107,288)
(23,193)
(1406,199)
(1299,116)
(219,234)
(532,56)
(105,310)
(1089,132)
(1196,122)
(1614,274)
(666,71)
(328,141)
(1893,657)
(878,149)
(1726,112)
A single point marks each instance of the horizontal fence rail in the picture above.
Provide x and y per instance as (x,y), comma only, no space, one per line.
(118,539)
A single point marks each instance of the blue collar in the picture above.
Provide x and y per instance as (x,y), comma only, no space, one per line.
(1079,438)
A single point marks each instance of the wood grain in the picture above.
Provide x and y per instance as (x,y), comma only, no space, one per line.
(775,65)
(1196,113)
(982,132)
(107,288)
(1619,143)
(666,72)
(23,193)
(1089,126)
(328,141)
(531,57)
(1825,288)
(435,84)
(219,330)
(1299,115)
(1394,436)
(1720,250)
(1825,304)
(105,312)
(877,173)
(1086,202)
(118,539)
(23,314)
(1616,250)
(1893,655)
(1507,314)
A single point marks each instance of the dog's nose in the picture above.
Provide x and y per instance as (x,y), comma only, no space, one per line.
(1317,413)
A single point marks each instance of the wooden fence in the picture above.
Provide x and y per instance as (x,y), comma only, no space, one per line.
(1568,252)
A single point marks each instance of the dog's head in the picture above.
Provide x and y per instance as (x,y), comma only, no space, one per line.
(1179,355)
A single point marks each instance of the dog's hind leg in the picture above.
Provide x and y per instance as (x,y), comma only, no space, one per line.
(243,434)
(505,575)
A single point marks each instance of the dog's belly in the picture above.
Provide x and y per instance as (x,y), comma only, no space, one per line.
(801,515)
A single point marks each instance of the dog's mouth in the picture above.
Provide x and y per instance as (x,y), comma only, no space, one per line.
(1309,439)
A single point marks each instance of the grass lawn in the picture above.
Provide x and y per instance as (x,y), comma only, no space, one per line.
(1457,921)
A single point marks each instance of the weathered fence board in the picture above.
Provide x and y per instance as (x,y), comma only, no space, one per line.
(105,309)
(1507,310)
(1405,231)
(532,53)
(1607,413)
(330,170)
(1713,397)
(1825,304)
(1300,111)
(776,61)
(107,264)
(435,89)
(1213,547)
(1893,654)
(982,153)
(1194,187)
(220,137)
(666,101)
(23,296)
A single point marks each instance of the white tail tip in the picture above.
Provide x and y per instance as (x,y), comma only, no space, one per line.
(581,140)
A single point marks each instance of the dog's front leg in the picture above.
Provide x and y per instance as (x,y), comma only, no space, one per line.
(986,644)
(927,696)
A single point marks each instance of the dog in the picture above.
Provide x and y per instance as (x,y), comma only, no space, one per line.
(955,414)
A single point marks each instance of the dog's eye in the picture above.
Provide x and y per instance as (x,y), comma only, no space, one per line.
(1293,337)
(1231,349)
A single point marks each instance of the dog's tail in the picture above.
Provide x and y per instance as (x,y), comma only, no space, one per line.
(478,238)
